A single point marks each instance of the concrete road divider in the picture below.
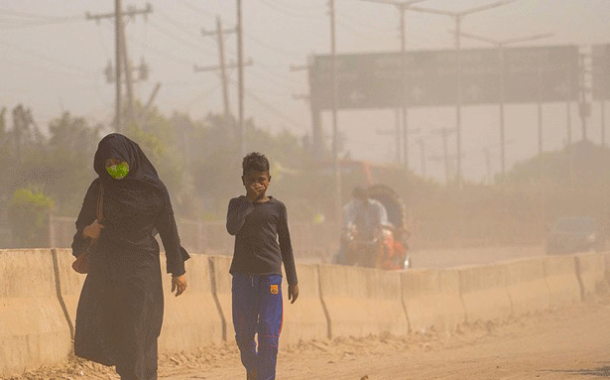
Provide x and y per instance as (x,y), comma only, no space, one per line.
(33,326)
(526,285)
(305,320)
(192,319)
(432,299)
(484,293)
(362,302)
(590,270)
(562,280)
(221,279)
(70,283)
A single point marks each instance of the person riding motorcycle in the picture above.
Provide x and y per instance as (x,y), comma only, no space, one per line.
(362,230)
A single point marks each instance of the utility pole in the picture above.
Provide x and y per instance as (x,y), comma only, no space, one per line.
(444,132)
(584,89)
(220,34)
(501,44)
(458,17)
(121,53)
(422,150)
(240,85)
(19,126)
(117,59)
(335,147)
(316,145)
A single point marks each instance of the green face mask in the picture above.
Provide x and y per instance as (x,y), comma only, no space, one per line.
(119,171)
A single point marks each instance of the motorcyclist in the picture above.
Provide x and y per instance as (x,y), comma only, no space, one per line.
(366,217)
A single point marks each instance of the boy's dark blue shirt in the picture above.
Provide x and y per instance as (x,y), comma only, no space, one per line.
(262,239)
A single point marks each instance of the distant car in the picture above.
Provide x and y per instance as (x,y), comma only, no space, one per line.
(575,234)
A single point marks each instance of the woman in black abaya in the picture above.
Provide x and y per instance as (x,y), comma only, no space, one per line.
(120,311)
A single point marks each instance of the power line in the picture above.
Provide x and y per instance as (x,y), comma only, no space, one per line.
(275,110)
(179,39)
(43,57)
(287,12)
(197,9)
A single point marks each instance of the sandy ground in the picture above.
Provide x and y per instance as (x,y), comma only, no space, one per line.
(571,343)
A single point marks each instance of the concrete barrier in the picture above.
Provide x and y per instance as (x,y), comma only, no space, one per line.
(484,293)
(590,270)
(432,299)
(33,326)
(191,320)
(221,279)
(526,286)
(70,283)
(562,280)
(362,302)
(305,320)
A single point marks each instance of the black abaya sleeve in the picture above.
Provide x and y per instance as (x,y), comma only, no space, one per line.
(86,216)
(166,225)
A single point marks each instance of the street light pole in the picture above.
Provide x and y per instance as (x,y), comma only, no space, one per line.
(335,122)
(458,17)
(402,7)
(501,45)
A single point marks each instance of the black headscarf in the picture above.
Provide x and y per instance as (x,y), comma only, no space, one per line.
(141,170)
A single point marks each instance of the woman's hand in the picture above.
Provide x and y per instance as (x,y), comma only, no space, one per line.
(179,284)
(93,230)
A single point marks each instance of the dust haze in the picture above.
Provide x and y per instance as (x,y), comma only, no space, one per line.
(488,138)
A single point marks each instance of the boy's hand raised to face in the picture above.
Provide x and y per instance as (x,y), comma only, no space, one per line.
(253,191)
(293,293)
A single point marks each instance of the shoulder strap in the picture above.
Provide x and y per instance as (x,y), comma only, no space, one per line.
(100,203)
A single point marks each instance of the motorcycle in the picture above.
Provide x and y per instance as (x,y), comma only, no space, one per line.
(387,248)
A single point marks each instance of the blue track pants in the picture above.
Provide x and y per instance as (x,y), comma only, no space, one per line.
(258,309)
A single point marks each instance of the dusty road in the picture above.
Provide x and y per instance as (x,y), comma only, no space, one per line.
(566,344)
(571,344)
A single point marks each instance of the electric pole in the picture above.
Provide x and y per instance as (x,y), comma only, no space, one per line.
(422,151)
(121,57)
(220,34)
(444,132)
(240,79)
(335,147)
(584,89)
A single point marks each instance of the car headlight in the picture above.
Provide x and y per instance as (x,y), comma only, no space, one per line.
(591,238)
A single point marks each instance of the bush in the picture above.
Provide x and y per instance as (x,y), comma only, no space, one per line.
(28,216)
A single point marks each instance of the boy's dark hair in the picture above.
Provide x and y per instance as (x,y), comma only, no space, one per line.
(255,161)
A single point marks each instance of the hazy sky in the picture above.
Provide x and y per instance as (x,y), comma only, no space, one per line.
(52,60)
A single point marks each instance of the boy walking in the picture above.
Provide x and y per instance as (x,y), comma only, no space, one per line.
(262,242)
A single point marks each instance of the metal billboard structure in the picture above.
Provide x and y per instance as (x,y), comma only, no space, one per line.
(373,80)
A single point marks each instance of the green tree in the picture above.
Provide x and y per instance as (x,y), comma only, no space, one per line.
(29,217)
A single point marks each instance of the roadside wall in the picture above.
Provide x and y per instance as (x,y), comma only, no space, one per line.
(39,294)
(304,320)
(192,319)
(432,299)
(562,280)
(526,286)
(70,283)
(590,269)
(362,302)
(33,326)
(484,293)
